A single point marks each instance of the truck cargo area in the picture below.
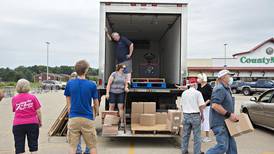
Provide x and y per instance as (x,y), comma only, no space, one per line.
(157,44)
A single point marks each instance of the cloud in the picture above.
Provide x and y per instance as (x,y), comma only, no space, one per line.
(240,24)
(72,28)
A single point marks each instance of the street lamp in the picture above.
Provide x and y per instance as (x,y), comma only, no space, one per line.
(225,55)
(47,60)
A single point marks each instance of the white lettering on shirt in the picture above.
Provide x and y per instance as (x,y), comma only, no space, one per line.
(24,105)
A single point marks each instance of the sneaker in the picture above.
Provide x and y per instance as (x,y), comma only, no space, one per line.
(206,140)
(122,125)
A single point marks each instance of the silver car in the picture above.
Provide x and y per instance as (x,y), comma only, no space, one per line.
(261,110)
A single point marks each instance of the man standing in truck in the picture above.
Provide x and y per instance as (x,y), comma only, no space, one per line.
(123,50)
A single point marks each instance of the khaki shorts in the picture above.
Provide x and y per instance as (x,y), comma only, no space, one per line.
(81,126)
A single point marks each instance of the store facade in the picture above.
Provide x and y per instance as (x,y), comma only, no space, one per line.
(257,63)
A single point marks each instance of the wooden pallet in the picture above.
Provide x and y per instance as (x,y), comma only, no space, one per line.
(156,129)
(151,80)
(60,124)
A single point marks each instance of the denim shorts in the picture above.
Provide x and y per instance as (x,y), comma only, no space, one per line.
(20,132)
(116,98)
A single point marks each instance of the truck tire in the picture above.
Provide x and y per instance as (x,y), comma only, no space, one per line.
(246,92)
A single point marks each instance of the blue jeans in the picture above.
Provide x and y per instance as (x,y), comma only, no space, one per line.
(191,122)
(225,142)
(79,149)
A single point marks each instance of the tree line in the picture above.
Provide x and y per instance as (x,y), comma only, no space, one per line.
(12,75)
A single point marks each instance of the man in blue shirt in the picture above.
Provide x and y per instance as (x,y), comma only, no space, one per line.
(222,104)
(79,94)
(124,50)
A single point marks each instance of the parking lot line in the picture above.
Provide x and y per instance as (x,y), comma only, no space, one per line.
(131,148)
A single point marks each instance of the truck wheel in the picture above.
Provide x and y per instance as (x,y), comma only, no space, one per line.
(246,92)
(234,91)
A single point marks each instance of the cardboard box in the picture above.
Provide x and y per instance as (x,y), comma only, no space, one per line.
(149,107)
(147,119)
(161,117)
(175,116)
(137,107)
(172,127)
(135,118)
(111,120)
(104,113)
(110,130)
(242,127)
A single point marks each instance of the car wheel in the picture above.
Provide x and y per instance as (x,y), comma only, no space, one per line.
(245,110)
(246,91)
(234,91)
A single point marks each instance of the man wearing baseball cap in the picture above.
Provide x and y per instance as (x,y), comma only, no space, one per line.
(222,108)
(192,105)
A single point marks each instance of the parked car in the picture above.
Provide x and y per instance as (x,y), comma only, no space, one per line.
(52,84)
(261,110)
(249,88)
(63,84)
(235,87)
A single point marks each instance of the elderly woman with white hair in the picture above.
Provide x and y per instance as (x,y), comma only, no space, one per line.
(206,91)
(27,118)
(2,95)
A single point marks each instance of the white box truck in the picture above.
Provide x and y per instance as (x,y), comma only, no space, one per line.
(158,30)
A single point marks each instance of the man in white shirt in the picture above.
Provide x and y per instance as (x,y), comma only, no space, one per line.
(192,105)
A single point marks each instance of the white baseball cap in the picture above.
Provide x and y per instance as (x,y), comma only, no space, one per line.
(224,72)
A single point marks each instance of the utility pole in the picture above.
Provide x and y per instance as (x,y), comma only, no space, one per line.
(47,59)
(225,64)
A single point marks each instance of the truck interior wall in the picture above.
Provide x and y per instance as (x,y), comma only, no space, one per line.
(110,55)
(170,47)
(165,47)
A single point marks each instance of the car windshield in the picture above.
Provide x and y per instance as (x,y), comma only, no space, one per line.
(266,96)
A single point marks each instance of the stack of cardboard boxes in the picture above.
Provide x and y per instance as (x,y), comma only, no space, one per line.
(174,120)
(110,121)
(144,115)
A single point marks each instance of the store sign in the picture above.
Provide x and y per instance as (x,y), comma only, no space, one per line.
(262,60)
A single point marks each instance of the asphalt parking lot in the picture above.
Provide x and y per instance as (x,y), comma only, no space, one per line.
(259,142)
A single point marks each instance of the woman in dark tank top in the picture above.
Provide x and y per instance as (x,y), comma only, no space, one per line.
(206,91)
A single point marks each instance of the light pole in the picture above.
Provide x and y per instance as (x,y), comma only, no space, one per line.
(47,60)
(225,55)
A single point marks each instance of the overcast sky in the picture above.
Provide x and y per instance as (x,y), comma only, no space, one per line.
(72,26)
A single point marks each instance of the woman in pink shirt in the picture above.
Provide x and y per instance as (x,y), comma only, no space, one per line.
(27,118)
